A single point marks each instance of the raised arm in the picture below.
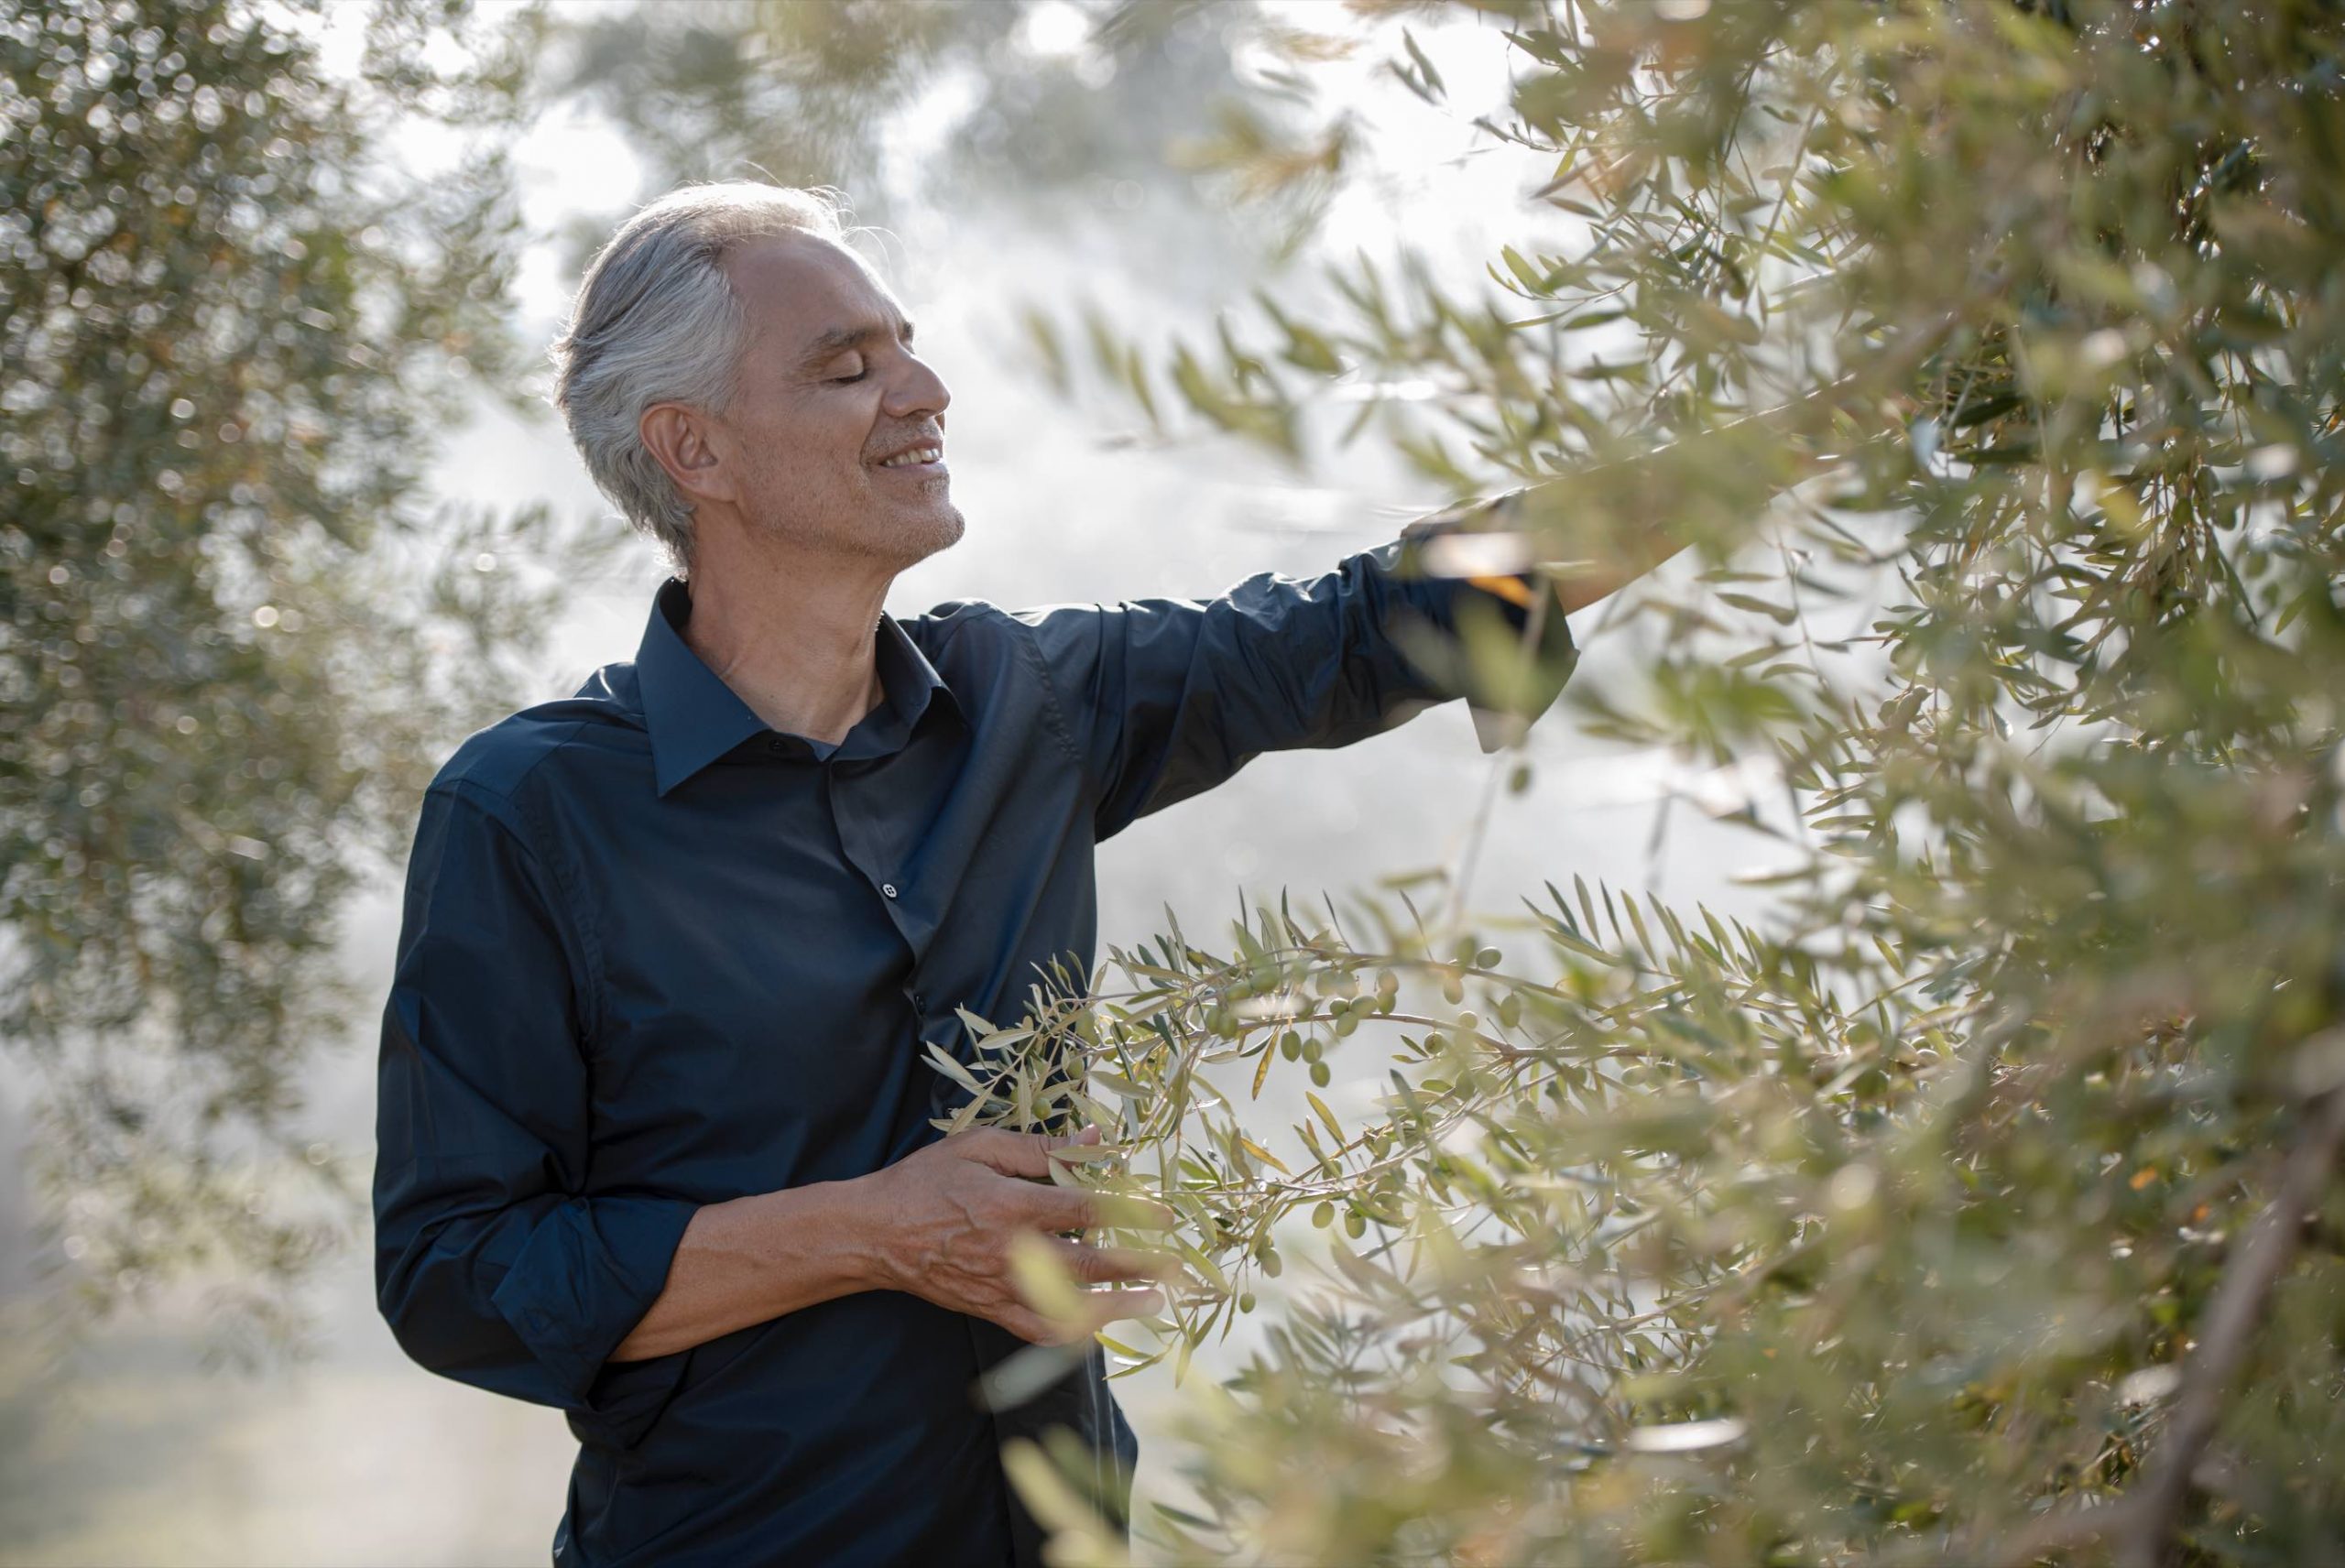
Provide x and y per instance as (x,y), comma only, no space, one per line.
(1167,698)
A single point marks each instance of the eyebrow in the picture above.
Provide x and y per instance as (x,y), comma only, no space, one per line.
(838,340)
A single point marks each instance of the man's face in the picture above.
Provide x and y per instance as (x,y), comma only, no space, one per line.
(828,387)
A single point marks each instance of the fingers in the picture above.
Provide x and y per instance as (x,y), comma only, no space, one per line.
(1024,1154)
(1115,1265)
(1100,1308)
(1079,1208)
(1064,1208)
(1011,1153)
(1056,1207)
(1107,1306)
(1124,1213)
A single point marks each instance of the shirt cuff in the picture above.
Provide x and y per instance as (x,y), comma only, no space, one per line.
(584,1279)
(1513,594)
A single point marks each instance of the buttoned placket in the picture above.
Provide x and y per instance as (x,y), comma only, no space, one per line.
(865,838)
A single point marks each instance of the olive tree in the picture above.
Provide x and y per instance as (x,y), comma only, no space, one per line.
(1977,1202)
(235,632)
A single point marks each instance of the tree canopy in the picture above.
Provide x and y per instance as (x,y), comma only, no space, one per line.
(1978,1203)
(1975,1204)
(235,634)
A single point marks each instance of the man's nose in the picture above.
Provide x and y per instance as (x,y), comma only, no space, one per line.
(918,391)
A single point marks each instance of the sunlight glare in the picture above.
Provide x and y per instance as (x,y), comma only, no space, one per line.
(1057,28)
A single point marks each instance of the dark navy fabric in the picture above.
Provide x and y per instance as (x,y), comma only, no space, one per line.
(657,956)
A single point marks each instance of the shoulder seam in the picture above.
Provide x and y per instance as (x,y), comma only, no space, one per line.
(529,833)
(509,794)
(1029,645)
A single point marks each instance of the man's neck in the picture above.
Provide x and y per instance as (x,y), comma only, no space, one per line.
(794,636)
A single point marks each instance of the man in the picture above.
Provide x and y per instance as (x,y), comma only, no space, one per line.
(655,1140)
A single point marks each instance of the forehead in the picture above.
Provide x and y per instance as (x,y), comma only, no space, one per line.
(796,288)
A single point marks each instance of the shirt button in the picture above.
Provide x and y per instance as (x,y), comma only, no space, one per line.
(888,888)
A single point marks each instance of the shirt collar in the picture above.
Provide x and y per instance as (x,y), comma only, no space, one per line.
(694,718)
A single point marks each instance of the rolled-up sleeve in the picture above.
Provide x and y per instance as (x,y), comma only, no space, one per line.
(492,1264)
(1167,698)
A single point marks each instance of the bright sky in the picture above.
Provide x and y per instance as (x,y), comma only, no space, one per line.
(1454,187)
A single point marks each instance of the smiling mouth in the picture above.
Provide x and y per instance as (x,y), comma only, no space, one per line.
(921,458)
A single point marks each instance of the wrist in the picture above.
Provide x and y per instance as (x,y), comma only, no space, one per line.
(867,1232)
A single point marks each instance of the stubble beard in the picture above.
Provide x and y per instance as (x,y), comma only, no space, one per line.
(904,535)
(940,528)
(907,534)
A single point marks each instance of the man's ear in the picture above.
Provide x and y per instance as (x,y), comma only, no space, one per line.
(677,437)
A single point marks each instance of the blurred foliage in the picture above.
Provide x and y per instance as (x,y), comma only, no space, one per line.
(723,89)
(1018,108)
(1977,1204)
(258,260)
(234,638)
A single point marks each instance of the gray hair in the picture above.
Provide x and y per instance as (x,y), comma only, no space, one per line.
(657,321)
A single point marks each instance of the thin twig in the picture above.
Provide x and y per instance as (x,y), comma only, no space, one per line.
(2238,1313)
(2140,1523)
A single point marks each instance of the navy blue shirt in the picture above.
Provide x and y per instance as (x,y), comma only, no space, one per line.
(656,955)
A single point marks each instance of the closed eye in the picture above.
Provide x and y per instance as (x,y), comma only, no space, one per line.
(847,380)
